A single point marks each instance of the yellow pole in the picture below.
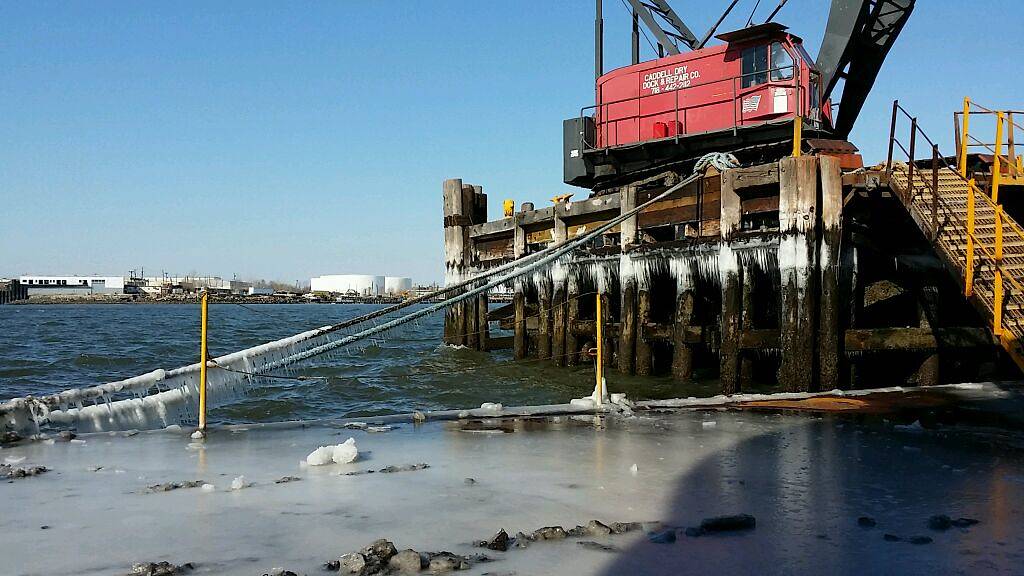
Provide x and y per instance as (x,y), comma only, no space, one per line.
(963,137)
(997,165)
(1011,147)
(202,364)
(599,388)
(969,272)
(798,130)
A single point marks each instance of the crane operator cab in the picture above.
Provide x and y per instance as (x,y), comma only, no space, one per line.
(741,95)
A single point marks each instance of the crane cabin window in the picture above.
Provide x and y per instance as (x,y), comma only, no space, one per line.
(782,63)
(759,60)
(755,65)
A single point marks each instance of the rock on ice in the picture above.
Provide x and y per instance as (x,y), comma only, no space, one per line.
(340,454)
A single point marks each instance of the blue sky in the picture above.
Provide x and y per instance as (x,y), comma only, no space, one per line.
(279,141)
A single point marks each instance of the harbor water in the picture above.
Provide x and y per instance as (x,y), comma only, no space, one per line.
(45,349)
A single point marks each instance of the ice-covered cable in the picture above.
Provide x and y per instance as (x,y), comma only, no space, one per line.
(177,390)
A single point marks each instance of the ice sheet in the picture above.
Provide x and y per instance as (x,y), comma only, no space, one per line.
(805,479)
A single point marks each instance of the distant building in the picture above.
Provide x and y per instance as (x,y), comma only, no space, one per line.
(421,290)
(254,291)
(397,285)
(72,285)
(189,284)
(353,284)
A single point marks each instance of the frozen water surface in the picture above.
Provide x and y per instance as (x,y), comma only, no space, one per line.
(806,480)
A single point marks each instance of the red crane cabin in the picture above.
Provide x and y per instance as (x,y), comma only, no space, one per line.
(761,74)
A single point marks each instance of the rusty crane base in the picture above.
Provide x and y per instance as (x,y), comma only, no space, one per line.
(786,276)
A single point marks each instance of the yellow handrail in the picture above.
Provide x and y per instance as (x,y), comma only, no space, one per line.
(1005,126)
(996,168)
(969,272)
(963,139)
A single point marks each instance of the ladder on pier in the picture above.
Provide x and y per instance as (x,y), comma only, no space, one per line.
(979,244)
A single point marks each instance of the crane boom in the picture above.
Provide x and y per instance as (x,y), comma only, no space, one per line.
(857,39)
(669,39)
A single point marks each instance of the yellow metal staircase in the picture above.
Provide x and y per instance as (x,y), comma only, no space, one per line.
(980,245)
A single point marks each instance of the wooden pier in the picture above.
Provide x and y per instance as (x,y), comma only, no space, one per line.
(789,275)
(11,290)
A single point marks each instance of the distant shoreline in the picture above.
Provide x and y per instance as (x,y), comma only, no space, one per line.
(101,299)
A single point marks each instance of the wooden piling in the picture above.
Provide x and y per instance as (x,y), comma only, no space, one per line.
(572,315)
(544,321)
(682,352)
(644,356)
(454,257)
(749,298)
(470,329)
(482,328)
(469,307)
(854,305)
(627,281)
(732,291)
(558,324)
(798,217)
(559,234)
(520,341)
(605,336)
(830,340)
(928,318)
(627,326)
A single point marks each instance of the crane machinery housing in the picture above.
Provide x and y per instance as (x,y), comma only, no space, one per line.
(742,95)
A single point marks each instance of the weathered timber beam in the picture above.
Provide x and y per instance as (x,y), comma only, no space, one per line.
(574,211)
(538,219)
(875,339)
(762,175)
(680,210)
(856,340)
(492,228)
(690,334)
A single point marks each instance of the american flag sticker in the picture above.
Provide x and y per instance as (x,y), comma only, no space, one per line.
(752,103)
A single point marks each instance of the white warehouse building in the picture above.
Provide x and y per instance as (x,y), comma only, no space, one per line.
(69,285)
(361,284)
(397,284)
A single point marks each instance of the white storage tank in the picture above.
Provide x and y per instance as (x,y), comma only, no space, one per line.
(397,284)
(358,284)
